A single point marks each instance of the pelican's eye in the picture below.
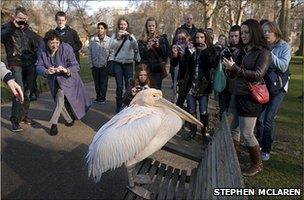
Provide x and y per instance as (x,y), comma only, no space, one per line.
(154,95)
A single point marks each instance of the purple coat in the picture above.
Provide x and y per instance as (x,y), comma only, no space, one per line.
(73,87)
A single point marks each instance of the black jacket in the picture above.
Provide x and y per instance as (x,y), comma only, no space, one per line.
(154,57)
(192,31)
(249,67)
(70,36)
(207,59)
(21,45)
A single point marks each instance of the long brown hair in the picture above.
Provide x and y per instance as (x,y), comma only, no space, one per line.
(142,67)
(146,33)
(208,39)
(118,23)
(256,33)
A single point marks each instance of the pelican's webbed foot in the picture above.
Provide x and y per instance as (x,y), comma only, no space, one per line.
(140,191)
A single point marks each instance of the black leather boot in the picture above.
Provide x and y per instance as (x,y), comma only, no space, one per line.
(193,129)
(54,130)
(118,104)
(206,129)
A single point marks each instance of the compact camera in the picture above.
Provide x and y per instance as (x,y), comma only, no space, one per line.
(226,53)
(21,22)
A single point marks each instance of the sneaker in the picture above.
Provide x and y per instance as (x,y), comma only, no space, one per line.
(69,124)
(33,98)
(265,156)
(16,127)
(27,120)
(96,100)
(102,101)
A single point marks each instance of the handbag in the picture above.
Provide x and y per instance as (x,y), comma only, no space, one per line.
(110,63)
(220,78)
(110,68)
(259,92)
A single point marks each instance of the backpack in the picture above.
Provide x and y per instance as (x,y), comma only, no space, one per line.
(276,80)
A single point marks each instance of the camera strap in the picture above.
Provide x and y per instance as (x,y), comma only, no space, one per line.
(118,50)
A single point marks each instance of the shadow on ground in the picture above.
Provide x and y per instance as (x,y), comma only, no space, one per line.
(46,174)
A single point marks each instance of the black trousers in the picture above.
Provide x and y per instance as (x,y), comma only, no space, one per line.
(24,76)
(100,77)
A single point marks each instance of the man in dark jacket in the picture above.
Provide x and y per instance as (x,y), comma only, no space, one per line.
(67,34)
(21,45)
(188,26)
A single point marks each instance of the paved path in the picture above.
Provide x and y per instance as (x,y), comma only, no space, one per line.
(35,165)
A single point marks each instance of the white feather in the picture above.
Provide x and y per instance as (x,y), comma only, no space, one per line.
(122,138)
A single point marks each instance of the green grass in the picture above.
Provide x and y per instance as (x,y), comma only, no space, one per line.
(285,167)
(297,59)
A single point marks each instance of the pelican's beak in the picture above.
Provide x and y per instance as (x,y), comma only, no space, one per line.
(180,112)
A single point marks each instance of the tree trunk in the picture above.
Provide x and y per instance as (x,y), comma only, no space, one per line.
(284,18)
(240,12)
(209,8)
(300,51)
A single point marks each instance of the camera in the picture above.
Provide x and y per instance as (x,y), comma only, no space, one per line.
(226,53)
(127,36)
(21,22)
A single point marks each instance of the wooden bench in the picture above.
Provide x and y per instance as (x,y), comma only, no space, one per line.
(218,168)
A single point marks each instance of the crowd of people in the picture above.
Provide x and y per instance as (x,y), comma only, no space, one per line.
(254,53)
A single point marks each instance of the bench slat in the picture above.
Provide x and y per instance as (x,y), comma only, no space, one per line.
(164,185)
(180,194)
(173,184)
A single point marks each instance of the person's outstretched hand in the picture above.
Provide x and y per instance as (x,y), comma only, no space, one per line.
(16,89)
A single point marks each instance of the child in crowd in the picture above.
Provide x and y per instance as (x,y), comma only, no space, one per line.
(142,80)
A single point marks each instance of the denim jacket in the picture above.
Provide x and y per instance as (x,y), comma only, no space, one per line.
(98,51)
(281,55)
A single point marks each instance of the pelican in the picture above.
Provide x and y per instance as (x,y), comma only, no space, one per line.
(134,134)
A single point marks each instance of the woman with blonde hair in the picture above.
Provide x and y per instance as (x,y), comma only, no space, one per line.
(153,49)
(277,80)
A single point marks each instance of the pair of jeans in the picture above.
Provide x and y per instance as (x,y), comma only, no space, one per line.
(266,122)
(24,76)
(100,78)
(123,75)
(203,104)
(158,79)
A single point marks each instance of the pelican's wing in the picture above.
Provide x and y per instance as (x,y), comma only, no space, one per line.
(121,138)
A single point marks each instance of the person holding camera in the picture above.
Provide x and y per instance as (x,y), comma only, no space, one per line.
(277,78)
(249,67)
(200,61)
(154,51)
(123,52)
(21,45)
(234,44)
(142,80)
(57,62)
(181,42)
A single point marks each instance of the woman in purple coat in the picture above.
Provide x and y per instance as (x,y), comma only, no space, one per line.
(58,64)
